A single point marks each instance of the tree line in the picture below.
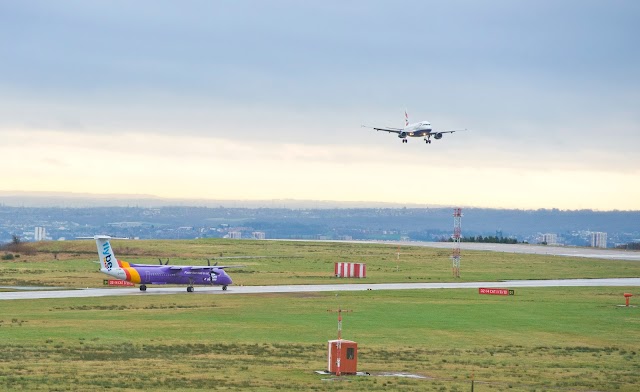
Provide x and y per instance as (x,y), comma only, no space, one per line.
(487,239)
(631,246)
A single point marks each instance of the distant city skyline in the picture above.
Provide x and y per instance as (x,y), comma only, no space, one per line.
(571,228)
(251,100)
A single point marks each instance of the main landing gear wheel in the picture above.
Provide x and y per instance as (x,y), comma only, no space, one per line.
(143,287)
(224,288)
(190,289)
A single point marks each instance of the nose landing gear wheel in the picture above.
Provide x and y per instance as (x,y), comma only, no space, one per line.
(143,287)
(224,288)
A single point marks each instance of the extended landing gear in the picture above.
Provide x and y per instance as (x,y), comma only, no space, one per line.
(224,288)
(190,289)
(143,287)
(404,141)
(428,141)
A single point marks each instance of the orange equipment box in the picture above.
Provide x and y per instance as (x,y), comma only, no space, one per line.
(347,361)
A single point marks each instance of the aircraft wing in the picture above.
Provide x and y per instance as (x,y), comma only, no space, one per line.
(457,130)
(388,129)
(202,267)
(221,266)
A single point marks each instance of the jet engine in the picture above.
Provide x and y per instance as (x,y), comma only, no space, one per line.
(402,135)
(438,135)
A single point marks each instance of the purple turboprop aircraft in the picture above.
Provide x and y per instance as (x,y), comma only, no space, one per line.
(145,274)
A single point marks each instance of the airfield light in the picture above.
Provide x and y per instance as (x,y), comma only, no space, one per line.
(627,296)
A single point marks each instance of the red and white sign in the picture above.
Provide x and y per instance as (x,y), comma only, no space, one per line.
(495,291)
(350,270)
(115,282)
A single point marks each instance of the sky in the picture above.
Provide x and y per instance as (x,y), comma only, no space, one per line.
(260,100)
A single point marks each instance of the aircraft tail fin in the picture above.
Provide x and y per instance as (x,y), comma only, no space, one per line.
(406,118)
(108,259)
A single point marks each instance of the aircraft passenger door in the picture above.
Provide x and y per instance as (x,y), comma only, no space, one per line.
(148,276)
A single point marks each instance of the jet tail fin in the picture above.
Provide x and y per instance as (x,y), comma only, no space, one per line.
(406,118)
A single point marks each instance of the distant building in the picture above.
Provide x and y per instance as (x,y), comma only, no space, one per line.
(39,234)
(549,239)
(258,235)
(345,238)
(236,235)
(598,239)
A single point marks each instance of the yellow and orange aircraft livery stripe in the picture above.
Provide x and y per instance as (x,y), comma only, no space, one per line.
(132,274)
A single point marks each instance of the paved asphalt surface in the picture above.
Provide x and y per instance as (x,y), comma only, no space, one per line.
(154,290)
(594,253)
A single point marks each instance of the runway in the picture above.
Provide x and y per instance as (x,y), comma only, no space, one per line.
(157,290)
(568,251)
(592,253)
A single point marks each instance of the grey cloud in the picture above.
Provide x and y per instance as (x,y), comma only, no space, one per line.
(296,69)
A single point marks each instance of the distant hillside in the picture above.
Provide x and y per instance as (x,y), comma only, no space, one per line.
(80,200)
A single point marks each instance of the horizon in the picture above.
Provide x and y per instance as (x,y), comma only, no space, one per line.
(92,200)
(250,100)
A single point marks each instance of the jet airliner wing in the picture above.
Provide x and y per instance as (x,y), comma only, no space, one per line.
(388,129)
(457,130)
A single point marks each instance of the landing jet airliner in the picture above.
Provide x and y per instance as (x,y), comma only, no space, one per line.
(419,129)
(145,274)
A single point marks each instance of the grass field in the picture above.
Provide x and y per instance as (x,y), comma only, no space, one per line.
(540,339)
(69,263)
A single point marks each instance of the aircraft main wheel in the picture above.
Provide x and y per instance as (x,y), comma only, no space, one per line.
(143,287)
(224,288)
(190,289)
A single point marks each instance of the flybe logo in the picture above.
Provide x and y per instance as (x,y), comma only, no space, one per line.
(108,264)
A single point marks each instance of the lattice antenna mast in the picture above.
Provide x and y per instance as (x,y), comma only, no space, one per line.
(339,346)
(457,229)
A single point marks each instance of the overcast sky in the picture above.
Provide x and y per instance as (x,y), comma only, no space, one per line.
(264,100)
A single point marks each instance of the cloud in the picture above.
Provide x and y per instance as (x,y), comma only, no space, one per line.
(545,88)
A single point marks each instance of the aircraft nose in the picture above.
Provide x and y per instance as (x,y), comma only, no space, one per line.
(224,279)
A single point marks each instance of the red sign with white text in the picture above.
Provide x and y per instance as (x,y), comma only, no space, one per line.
(114,282)
(495,291)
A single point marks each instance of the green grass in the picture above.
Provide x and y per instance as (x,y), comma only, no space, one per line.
(573,339)
(304,262)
